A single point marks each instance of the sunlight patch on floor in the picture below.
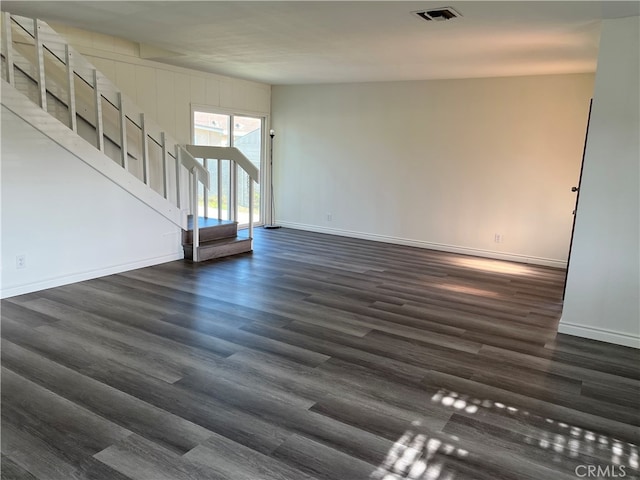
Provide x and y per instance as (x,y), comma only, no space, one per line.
(467,290)
(418,456)
(494,266)
(421,454)
(573,441)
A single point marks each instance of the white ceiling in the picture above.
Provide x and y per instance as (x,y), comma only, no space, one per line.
(295,42)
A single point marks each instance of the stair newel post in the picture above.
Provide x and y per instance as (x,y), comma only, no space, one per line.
(71,88)
(97,97)
(205,164)
(7,47)
(250,208)
(42,88)
(219,188)
(145,152)
(124,158)
(230,199)
(234,190)
(194,212)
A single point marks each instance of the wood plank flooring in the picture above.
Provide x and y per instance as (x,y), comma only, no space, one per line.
(315,357)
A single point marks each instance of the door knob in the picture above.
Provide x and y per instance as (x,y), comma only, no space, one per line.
(574,189)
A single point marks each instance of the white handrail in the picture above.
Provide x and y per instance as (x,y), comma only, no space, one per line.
(198,175)
(46,39)
(96,94)
(226,153)
(189,161)
(236,158)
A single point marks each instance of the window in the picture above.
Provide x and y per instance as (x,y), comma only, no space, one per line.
(228,130)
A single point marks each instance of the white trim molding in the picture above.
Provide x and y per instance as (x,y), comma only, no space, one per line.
(602,334)
(476,252)
(87,275)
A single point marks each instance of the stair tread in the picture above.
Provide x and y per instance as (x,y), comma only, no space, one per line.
(222,241)
(210,229)
(222,247)
(208,223)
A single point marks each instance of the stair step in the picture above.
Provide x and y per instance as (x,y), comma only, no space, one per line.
(210,229)
(222,247)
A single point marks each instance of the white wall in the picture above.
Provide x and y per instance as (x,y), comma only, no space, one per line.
(65,236)
(603,290)
(164,92)
(439,164)
(70,222)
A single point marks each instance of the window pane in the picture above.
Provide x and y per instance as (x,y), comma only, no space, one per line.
(214,129)
(247,137)
(211,129)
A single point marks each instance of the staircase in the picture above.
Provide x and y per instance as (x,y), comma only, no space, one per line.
(218,238)
(56,90)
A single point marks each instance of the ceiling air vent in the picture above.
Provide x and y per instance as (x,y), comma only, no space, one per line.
(438,14)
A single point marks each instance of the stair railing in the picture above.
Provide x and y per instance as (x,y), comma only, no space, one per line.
(37,51)
(236,159)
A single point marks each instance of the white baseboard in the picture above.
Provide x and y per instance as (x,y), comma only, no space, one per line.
(602,334)
(513,257)
(88,275)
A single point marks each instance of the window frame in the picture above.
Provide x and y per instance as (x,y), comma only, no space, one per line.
(264,145)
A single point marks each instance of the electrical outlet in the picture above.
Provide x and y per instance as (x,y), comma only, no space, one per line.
(498,238)
(329,217)
(21,261)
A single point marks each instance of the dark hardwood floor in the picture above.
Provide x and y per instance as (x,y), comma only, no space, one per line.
(316,357)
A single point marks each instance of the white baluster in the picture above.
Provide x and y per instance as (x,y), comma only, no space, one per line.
(219,187)
(194,200)
(7,47)
(97,97)
(250,208)
(71,89)
(234,166)
(230,197)
(205,164)
(124,158)
(165,176)
(178,165)
(42,88)
(146,175)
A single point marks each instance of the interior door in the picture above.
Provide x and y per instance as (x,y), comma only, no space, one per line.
(576,190)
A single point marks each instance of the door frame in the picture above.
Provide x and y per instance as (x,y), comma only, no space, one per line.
(265,172)
(575,209)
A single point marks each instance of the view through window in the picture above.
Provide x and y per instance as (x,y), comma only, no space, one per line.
(244,133)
